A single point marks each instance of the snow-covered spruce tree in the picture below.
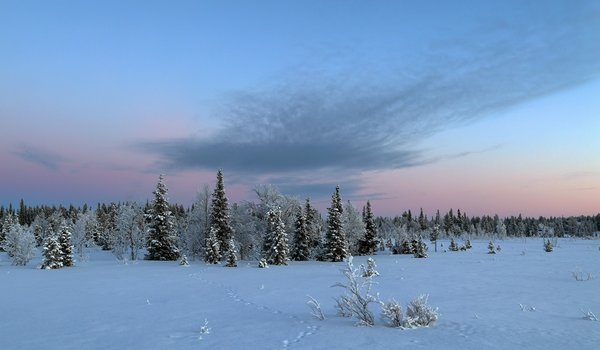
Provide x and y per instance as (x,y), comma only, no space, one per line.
(161,242)
(7,224)
(301,248)
(198,224)
(453,246)
(184,260)
(219,216)
(64,239)
(335,240)
(231,254)
(53,257)
(276,247)
(368,244)
(19,244)
(313,226)
(491,248)
(435,234)
(420,249)
(212,253)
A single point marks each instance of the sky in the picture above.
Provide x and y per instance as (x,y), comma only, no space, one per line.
(487,106)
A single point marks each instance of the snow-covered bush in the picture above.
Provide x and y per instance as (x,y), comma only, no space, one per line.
(315,308)
(184,260)
(357,296)
(419,314)
(369,271)
(19,243)
(589,316)
(212,253)
(262,263)
(392,313)
(548,247)
(491,248)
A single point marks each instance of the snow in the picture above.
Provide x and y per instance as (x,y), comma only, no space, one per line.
(106,304)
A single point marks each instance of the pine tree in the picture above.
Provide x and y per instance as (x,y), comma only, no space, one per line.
(212,254)
(301,250)
(435,234)
(53,257)
(453,246)
(276,247)
(161,243)
(312,226)
(335,240)
(491,248)
(368,245)
(219,217)
(231,254)
(66,249)
(420,249)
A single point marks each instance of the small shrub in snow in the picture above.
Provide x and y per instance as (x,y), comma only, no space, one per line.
(315,308)
(262,263)
(205,329)
(369,271)
(498,248)
(453,246)
(392,313)
(419,314)
(548,247)
(468,244)
(491,248)
(357,296)
(589,316)
(184,260)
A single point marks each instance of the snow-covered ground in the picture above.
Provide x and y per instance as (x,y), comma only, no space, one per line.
(521,298)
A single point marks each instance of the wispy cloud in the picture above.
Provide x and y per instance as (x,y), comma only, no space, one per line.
(42,157)
(355,122)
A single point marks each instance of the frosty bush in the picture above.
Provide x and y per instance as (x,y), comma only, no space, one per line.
(184,260)
(491,248)
(369,271)
(357,296)
(19,244)
(392,312)
(315,308)
(589,316)
(262,263)
(419,314)
(548,247)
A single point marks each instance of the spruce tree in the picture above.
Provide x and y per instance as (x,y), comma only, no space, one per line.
(368,245)
(313,228)
(219,216)
(231,254)
(53,257)
(212,253)
(301,250)
(276,242)
(335,240)
(161,243)
(66,249)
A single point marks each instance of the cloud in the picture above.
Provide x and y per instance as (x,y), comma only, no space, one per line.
(41,157)
(374,119)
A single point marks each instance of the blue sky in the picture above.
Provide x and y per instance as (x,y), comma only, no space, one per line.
(490,103)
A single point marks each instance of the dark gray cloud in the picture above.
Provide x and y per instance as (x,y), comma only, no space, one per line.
(41,157)
(373,119)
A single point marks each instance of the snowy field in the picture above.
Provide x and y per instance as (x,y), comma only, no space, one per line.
(521,298)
